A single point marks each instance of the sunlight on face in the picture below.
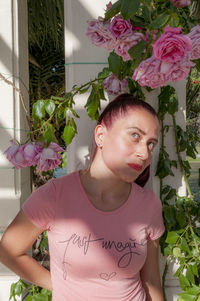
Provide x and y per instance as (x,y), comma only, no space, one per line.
(128,144)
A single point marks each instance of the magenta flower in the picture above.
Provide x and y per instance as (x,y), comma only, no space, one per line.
(49,158)
(148,73)
(172,45)
(113,85)
(126,42)
(99,34)
(120,27)
(180,3)
(194,35)
(15,155)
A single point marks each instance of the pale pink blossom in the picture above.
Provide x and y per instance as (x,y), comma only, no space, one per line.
(148,73)
(49,157)
(172,45)
(15,155)
(125,43)
(99,33)
(180,3)
(30,151)
(194,35)
(113,85)
(120,27)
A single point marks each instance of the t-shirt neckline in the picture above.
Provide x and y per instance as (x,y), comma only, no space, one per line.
(89,203)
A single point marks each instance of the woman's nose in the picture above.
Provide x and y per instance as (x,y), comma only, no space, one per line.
(143,152)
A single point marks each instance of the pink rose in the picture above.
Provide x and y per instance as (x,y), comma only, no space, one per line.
(120,27)
(125,43)
(180,3)
(113,85)
(148,73)
(194,35)
(15,155)
(49,158)
(99,34)
(172,45)
(177,71)
(30,152)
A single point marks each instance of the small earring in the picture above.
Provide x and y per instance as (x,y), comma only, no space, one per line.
(98,144)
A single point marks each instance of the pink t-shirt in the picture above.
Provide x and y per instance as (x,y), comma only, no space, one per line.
(95,255)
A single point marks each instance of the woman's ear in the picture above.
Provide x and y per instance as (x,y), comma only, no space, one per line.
(99,134)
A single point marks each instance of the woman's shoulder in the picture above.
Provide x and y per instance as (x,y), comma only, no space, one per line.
(66,180)
(146,193)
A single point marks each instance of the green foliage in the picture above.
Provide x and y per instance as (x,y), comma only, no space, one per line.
(33,292)
(181,241)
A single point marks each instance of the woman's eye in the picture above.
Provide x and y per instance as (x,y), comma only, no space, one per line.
(135,135)
(151,145)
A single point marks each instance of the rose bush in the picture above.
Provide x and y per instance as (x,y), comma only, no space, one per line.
(180,3)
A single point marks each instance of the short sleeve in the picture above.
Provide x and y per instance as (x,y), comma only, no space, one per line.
(40,207)
(156,227)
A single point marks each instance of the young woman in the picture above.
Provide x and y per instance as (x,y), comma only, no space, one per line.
(103,228)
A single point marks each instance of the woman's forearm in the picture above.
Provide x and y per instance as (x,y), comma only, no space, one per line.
(27,268)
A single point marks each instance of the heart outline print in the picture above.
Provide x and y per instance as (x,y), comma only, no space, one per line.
(106,276)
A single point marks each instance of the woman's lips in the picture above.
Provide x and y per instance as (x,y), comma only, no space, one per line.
(135,166)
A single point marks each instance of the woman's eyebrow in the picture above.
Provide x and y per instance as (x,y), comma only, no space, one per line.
(142,132)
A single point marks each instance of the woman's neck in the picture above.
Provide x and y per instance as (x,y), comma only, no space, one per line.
(105,190)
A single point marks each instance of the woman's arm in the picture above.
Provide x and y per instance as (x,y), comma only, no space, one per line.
(150,274)
(16,241)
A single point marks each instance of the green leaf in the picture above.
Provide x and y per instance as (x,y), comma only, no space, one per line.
(172,237)
(190,275)
(184,246)
(180,217)
(103,74)
(68,134)
(160,21)
(29,298)
(170,194)
(170,215)
(18,288)
(195,269)
(177,252)
(184,282)
(74,113)
(39,109)
(174,20)
(135,51)
(49,135)
(113,10)
(50,106)
(187,297)
(115,63)
(41,297)
(93,102)
(129,8)
(173,105)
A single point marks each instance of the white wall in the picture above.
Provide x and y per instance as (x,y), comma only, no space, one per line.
(14,185)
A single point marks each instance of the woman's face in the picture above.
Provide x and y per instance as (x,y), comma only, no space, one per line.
(127,146)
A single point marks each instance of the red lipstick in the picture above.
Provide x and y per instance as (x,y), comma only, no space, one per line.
(135,166)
